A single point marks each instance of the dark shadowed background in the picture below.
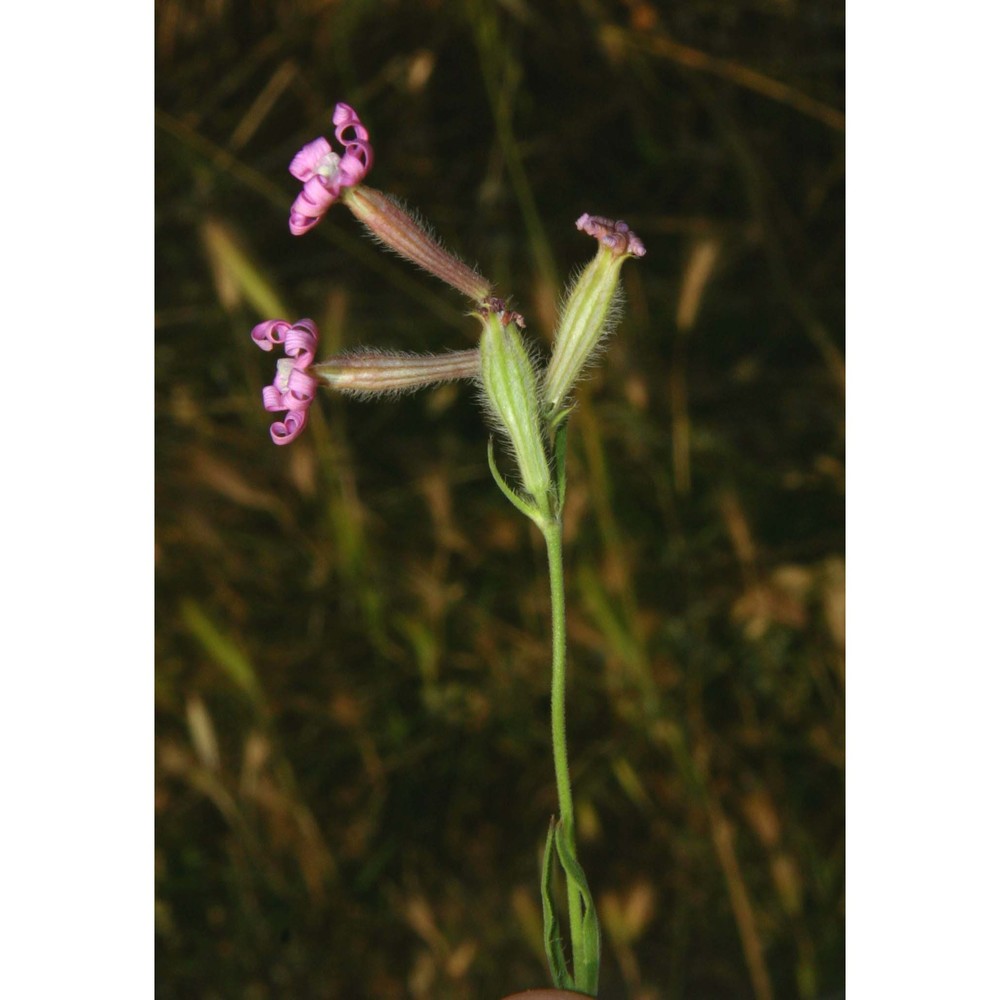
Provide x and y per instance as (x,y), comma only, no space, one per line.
(353,773)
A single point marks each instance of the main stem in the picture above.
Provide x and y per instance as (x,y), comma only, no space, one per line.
(552,529)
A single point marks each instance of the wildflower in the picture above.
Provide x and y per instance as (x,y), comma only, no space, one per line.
(326,174)
(592,308)
(328,177)
(363,372)
(293,388)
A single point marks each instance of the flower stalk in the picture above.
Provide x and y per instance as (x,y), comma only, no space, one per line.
(552,531)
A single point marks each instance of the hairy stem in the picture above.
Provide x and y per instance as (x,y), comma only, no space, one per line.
(552,530)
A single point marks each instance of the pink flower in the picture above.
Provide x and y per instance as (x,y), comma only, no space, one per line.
(324,173)
(293,388)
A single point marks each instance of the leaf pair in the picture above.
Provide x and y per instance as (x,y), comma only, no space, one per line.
(587,947)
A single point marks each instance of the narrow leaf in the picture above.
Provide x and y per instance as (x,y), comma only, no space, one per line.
(522,505)
(586,965)
(561,978)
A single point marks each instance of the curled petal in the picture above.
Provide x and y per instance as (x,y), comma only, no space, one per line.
(265,335)
(353,136)
(284,431)
(301,391)
(308,158)
(354,164)
(345,118)
(273,399)
(316,196)
(300,342)
(300,224)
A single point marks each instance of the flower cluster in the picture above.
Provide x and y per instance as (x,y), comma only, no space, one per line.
(293,388)
(328,177)
(525,403)
(324,173)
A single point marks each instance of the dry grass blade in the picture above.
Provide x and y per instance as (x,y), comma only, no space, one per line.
(620,40)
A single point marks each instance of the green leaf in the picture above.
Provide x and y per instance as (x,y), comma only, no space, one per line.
(522,505)
(561,978)
(586,965)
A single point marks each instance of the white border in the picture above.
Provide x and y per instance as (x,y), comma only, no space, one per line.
(923,504)
(76,709)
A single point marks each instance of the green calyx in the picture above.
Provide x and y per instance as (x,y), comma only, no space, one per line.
(510,384)
(590,314)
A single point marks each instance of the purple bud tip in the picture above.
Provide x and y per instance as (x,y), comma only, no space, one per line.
(507,316)
(612,233)
(324,173)
(293,388)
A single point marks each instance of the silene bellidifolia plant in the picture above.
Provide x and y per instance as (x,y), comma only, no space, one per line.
(529,407)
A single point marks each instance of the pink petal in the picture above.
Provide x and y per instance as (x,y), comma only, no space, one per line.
(354,164)
(284,431)
(301,390)
(316,196)
(309,325)
(301,341)
(305,161)
(270,332)
(346,118)
(273,399)
(300,224)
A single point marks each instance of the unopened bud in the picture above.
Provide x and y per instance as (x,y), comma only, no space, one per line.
(592,307)
(511,387)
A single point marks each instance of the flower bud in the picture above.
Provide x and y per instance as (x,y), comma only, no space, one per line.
(511,388)
(592,307)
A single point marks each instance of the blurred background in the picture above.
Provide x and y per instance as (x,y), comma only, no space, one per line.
(353,771)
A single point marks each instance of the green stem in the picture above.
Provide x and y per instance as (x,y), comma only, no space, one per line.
(552,529)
